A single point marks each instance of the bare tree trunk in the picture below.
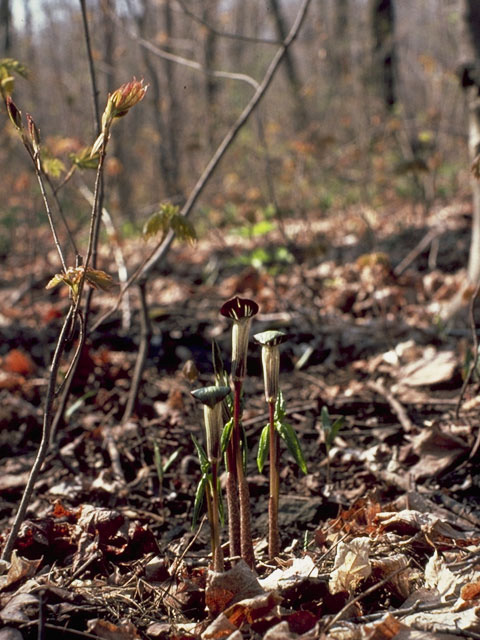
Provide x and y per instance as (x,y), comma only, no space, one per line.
(5,27)
(341,45)
(209,15)
(167,162)
(293,74)
(121,182)
(385,56)
(173,108)
(470,75)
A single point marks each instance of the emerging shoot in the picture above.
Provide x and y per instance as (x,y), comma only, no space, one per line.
(211,398)
(269,439)
(241,311)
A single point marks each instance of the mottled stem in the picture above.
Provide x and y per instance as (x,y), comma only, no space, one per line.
(246,542)
(273,535)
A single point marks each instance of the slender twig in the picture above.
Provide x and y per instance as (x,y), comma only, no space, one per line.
(91,65)
(145,335)
(224,34)
(396,406)
(94,227)
(44,444)
(61,212)
(474,363)
(39,173)
(185,62)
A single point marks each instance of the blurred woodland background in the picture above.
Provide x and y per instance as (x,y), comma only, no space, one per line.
(367,110)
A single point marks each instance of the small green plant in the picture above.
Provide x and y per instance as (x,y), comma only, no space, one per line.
(241,311)
(276,428)
(211,398)
(330,432)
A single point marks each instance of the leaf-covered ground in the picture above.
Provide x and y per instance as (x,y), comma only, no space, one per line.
(380,539)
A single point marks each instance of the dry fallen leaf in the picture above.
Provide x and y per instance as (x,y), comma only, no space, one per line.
(352,565)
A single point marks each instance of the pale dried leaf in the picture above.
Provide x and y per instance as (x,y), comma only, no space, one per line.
(299,569)
(22,607)
(352,565)
(220,628)
(433,368)
(438,576)
(224,589)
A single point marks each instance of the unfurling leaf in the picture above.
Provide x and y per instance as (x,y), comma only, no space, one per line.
(263,447)
(168,218)
(52,166)
(226,433)
(182,228)
(10,65)
(73,277)
(287,433)
(99,279)
(57,279)
(84,159)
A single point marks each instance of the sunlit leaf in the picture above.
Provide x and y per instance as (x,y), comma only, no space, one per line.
(226,434)
(57,279)
(10,65)
(263,447)
(99,279)
(287,433)
(84,159)
(184,230)
(52,166)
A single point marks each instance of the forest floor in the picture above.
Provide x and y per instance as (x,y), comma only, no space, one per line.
(380,539)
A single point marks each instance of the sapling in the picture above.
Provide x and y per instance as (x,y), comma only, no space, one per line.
(211,398)
(277,426)
(118,104)
(241,311)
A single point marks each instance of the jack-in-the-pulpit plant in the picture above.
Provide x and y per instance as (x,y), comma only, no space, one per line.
(269,439)
(211,398)
(241,311)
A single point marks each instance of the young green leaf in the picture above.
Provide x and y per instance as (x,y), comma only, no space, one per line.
(198,502)
(52,166)
(184,230)
(202,456)
(325,417)
(333,431)
(287,433)
(173,457)
(10,65)
(98,279)
(157,458)
(263,447)
(221,508)
(226,433)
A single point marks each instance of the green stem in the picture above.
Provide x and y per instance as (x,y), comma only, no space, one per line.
(273,535)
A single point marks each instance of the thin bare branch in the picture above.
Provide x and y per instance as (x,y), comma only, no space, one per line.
(224,34)
(185,62)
